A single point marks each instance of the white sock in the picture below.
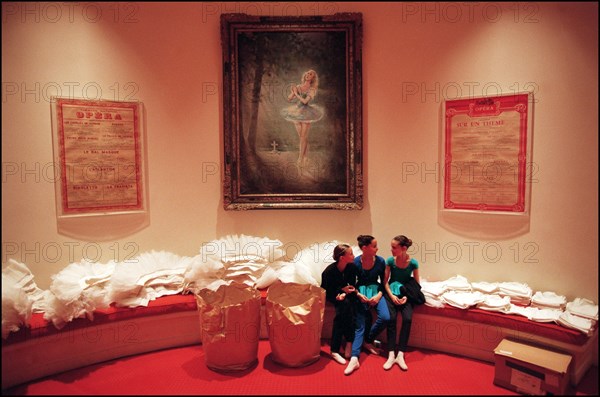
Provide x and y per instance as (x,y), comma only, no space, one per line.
(338,358)
(354,365)
(390,361)
(400,361)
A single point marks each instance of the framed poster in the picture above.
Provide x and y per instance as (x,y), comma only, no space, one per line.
(486,155)
(292,108)
(99,153)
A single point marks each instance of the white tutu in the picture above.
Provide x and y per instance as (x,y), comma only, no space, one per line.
(234,246)
(60,313)
(19,295)
(77,291)
(16,307)
(147,277)
(244,259)
(294,272)
(201,274)
(316,258)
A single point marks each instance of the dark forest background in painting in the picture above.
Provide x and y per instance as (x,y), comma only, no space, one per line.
(269,64)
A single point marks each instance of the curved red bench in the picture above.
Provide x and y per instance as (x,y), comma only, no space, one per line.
(41,349)
(171,321)
(476,333)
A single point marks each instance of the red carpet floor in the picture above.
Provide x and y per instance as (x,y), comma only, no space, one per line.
(182,371)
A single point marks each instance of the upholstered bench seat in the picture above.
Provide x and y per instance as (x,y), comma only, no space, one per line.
(475,333)
(41,349)
(172,321)
(39,327)
(489,319)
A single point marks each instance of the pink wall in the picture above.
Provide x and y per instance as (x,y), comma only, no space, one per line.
(415,55)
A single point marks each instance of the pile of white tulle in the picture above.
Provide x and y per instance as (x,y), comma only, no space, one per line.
(83,287)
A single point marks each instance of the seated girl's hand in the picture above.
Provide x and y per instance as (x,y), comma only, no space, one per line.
(349,289)
(340,297)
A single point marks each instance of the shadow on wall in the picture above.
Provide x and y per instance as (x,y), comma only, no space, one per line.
(484,225)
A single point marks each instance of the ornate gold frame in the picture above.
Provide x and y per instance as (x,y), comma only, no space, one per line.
(263,57)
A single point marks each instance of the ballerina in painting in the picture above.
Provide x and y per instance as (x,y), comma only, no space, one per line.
(303,112)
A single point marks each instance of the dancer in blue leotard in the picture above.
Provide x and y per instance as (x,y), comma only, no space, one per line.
(371,273)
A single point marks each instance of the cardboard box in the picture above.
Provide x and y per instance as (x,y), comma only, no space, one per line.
(531,370)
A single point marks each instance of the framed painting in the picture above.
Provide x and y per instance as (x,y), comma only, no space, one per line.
(487,149)
(292,108)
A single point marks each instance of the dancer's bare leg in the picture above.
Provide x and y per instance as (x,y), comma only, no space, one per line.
(301,142)
(303,155)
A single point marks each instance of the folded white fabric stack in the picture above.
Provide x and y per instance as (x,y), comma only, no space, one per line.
(244,269)
(546,315)
(548,300)
(433,291)
(519,293)
(148,276)
(458,283)
(582,324)
(584,308)
(462,299)
(495,303)
(535,313)
(244,259)
(580,314)
(485,287)
(525,311)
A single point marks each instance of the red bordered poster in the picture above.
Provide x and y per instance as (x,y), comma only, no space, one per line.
(98,147)
(486,144)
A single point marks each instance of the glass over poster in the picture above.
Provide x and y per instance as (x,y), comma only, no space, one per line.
(98,157)
(486,153)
